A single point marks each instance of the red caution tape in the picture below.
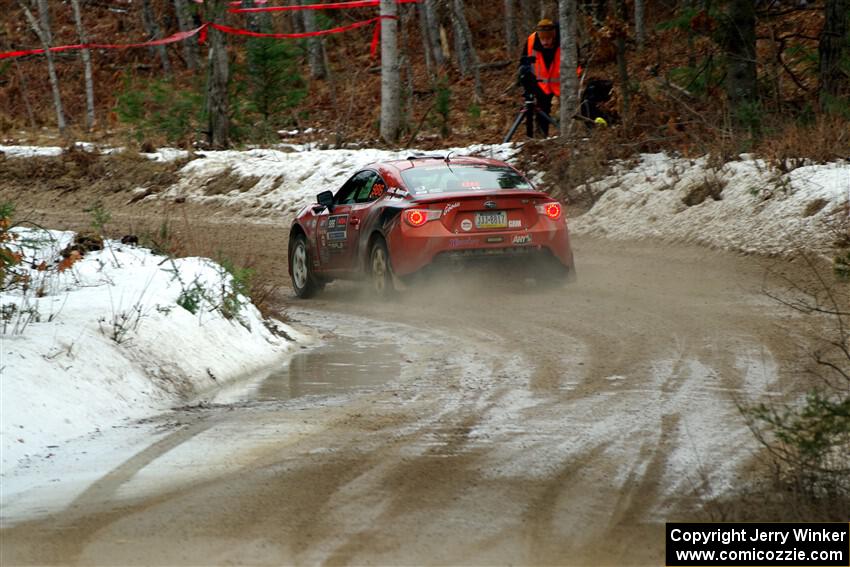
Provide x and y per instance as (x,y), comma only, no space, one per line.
(179,36)
(376,37)
(355,25)
(329,6)
(202,37)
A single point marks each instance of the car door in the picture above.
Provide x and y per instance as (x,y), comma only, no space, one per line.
(333,229)
(361,214)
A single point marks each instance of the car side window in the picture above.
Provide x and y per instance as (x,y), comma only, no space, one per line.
(372,189)
(349,191)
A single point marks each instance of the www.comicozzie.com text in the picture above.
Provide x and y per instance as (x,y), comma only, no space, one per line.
(755,534)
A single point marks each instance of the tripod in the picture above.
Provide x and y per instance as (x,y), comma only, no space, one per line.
(528,111)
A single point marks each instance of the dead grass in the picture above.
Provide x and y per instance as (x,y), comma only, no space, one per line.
(79,169)
(178,234)
(230,181)
(814,207)
(793,145)
(711,186)
(571,167)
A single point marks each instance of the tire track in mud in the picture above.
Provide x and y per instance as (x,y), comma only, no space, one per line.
(526,427)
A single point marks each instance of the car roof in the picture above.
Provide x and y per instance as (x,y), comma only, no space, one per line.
(431,160)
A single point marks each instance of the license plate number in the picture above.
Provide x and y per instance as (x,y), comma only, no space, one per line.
(491,219)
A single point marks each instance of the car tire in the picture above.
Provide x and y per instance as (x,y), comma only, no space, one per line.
(304,281)
(380,269)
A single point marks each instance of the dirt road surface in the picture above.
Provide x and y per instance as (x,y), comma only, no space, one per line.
(481,421)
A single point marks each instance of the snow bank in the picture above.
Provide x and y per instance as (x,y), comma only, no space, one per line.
(105,340)
(742,206)
(285,180)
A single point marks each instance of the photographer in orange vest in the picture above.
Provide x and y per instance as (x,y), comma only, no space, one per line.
(545,46)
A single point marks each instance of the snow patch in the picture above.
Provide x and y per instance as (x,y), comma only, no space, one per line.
(105,340)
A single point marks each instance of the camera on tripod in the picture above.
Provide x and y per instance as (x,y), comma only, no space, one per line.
(527,79)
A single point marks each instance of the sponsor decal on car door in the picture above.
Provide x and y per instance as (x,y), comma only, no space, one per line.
(333,232)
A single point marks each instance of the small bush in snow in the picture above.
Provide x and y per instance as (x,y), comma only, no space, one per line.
(190,298)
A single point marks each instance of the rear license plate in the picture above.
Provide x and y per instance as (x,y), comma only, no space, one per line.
(491,219)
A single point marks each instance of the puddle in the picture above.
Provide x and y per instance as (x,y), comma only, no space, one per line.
(340,367)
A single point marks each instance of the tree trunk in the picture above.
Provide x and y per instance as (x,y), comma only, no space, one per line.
(51,68)
(510,28)
(425,35)
(834,51)
(24,84)
(622,65)
(218,127)
(568,14)
(44,19)
(640,30)
(390,88)
(406,12)
(314,44)
(467,57)
(433,19)
(78,20)
(740,46)
(529,15)
(185,23)
(152,28)
(258,21)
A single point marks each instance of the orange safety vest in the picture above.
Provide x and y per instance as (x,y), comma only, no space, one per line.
(548,79)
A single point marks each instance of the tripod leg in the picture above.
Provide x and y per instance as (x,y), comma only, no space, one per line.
(548,118)
(514,127)
(529,123)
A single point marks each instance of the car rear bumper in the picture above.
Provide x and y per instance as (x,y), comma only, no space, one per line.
(412,249)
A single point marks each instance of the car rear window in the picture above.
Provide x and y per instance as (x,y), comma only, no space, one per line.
(449,178)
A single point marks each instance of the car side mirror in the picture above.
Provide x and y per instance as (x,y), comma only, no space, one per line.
(326,200)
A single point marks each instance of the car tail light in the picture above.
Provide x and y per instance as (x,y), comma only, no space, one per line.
(418,217)
(551,210)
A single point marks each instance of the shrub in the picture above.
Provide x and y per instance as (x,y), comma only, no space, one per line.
(160,108)
(190,299)
(809,441)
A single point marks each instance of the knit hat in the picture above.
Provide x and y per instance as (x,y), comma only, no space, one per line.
(545,25)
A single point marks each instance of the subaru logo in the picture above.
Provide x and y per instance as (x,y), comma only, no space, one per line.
(489,204)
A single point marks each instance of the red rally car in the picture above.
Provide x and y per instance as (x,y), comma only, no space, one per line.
(392,220)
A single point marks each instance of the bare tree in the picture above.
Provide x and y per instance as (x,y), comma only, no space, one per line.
(640,29)
(218,125)
(390,88)
(834,50)
(622,65)
(44,19)
(739,39)
(22,79)
(510,26)
(568,14)
(425,35)
(153,31)
(185,23)
(43,36)
(467,56)
(432,18)
(78,20)
(529,15)
(315,46)
(257,21)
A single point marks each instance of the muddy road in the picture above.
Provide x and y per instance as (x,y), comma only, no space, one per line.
(472,421)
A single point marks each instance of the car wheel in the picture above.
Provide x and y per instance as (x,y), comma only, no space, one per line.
(304,282)
(380,270)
